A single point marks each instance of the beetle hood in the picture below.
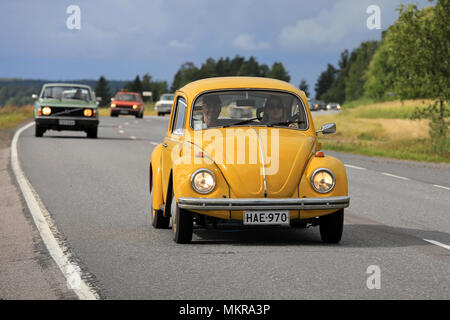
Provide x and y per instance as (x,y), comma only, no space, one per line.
(255,160)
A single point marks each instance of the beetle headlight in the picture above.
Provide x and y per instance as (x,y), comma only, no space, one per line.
(203,181)
(46,111)
(323,180)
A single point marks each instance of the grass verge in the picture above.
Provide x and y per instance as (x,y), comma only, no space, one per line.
(11,117)
(381,129)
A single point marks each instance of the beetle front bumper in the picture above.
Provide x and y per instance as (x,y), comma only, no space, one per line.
(209,204)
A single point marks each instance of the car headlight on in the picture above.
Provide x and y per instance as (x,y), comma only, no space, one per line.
(135,106)
(113,105)
(46,111)
(203,181)
(87,112)
(323,180)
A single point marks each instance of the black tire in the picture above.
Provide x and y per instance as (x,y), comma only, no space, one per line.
(158,219)
(182,223)
(38,131)
(114,114)
(92,133)
(159,114)
(331,226)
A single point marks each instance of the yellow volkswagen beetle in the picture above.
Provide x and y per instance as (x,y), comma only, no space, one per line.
(259,167)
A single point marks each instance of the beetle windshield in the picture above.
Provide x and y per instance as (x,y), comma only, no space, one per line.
(249,108)
(66,93)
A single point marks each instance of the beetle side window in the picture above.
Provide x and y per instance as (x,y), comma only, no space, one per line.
(180,114)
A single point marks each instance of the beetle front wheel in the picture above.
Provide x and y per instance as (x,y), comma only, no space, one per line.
(182,223)
(159,221)
(331,226)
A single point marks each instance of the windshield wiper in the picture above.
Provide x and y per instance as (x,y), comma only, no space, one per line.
(242,122)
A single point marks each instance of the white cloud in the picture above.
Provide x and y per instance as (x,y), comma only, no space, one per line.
(343,20)
(246,42)
(176,44)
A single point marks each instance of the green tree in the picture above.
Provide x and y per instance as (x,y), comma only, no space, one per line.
(325,81)
(279,72)
(135,86)
(354,86)
(304,87)
(102,91)
(188,72)
(420,55)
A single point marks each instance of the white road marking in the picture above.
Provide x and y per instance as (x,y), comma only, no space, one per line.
(436,185)
(154,143)
(354,167)
(394,176)
(44,224)
(132,137)
(438,244)
(121,131)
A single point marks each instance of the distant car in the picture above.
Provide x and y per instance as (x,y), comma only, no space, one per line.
(127,103)
(317,105)
(333,106)
(62,106)
(164,105)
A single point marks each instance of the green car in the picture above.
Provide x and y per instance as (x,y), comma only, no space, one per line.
(63,106)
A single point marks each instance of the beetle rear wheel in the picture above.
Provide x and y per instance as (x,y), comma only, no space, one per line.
(182,223)
(331,226)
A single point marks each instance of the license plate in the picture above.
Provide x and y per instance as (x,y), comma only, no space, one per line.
(123,111)
(266,217)
(67,122)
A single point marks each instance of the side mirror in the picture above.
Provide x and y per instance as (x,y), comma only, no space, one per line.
(99,99)
(328,128)
(112,99)
(34,96)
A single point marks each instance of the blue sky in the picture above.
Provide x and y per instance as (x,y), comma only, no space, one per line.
(119,39)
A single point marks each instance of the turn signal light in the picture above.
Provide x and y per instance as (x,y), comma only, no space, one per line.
(320,154)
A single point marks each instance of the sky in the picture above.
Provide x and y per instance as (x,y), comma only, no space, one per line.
(121,39)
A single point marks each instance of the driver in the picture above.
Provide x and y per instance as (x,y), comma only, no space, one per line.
(211,109)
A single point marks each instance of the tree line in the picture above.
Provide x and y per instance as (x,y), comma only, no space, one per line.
(411,61)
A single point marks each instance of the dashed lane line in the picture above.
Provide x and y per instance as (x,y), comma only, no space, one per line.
(394,176)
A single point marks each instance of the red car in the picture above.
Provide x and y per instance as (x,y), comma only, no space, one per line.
(125,102)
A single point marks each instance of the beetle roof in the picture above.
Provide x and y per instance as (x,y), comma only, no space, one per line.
(194,88)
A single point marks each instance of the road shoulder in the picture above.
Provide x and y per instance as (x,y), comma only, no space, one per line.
(27,270)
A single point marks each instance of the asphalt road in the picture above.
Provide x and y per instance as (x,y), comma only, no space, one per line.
(97,193)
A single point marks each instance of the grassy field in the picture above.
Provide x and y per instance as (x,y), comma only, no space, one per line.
(11,117)
(381,129)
